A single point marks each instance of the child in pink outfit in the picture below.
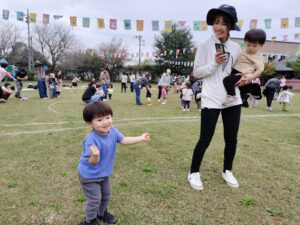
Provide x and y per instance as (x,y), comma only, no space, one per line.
(163,97)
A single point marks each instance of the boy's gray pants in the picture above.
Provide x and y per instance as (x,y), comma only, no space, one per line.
(97,193)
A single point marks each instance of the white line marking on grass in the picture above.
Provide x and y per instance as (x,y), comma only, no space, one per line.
(52,110)
(136,122)
(147,119)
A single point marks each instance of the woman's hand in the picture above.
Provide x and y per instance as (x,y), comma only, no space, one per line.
(220,57)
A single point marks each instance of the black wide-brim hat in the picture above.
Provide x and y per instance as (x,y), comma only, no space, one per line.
(223,9)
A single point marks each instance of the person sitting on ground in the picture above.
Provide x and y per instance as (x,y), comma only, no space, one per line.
(90,94)
(4,73)
(6,91)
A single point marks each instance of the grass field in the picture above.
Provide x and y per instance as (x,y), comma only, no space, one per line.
(41,146)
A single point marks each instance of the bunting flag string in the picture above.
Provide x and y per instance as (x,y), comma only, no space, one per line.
(154,25)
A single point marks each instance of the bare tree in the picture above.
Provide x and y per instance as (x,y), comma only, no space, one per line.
(10,35)
(53,40)
(113,54)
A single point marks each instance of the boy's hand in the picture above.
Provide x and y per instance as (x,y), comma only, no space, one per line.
(146,137)
(243,81)
(94,150)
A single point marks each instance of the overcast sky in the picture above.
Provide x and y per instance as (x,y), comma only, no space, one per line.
(188,10)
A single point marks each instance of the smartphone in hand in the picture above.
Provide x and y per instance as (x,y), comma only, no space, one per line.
(220,48)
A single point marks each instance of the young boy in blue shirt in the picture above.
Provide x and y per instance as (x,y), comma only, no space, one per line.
(97,161)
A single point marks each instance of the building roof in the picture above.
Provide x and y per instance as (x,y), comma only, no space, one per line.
(281,65)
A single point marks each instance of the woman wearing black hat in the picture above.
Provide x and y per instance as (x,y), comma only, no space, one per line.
(212,66)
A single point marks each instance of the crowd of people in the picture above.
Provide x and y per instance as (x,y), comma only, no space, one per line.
(224,79)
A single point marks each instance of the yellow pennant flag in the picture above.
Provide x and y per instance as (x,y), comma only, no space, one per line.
(73,21)
(203,25)
(284,23)
(240,23)
(168,26)
(100,22)
(140,25)
(32,17)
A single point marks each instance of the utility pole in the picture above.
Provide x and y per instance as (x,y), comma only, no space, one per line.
(29,42)
(139,37)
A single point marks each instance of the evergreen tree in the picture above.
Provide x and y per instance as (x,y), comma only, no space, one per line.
(168,43)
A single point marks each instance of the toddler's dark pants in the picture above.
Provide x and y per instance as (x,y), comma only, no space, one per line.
(97,193)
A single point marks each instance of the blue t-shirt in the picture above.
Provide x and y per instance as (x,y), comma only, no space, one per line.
(107,145)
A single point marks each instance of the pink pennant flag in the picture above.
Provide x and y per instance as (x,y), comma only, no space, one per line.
(181,24)
(285,37)
(45,19)
(253,24)
(113,24)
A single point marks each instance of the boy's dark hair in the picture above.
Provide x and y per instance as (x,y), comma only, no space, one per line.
(255,36)
(111,85)
(96,109)
(98,85)
(286,87)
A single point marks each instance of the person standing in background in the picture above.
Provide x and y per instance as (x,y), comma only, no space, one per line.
(165,79)
(132,80)
(105,80)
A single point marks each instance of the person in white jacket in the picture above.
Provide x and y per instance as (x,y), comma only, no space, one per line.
(285,97)
(212,67)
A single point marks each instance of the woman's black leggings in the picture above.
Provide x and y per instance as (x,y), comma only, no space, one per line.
(209,118)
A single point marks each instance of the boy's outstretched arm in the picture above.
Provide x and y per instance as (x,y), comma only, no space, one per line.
(133,140)
(95,155)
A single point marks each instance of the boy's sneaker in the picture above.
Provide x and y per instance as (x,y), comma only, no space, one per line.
(93,222)
(195,181)
(230,100)
(230,179)
(2,100)
(108,218)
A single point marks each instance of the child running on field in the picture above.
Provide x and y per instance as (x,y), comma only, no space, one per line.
(110,91)
(187,94)
(163,97)
(149,96)
(97,161)
(285,97)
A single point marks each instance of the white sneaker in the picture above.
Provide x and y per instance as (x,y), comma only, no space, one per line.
(230,179)
(195,181)
(230,100)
